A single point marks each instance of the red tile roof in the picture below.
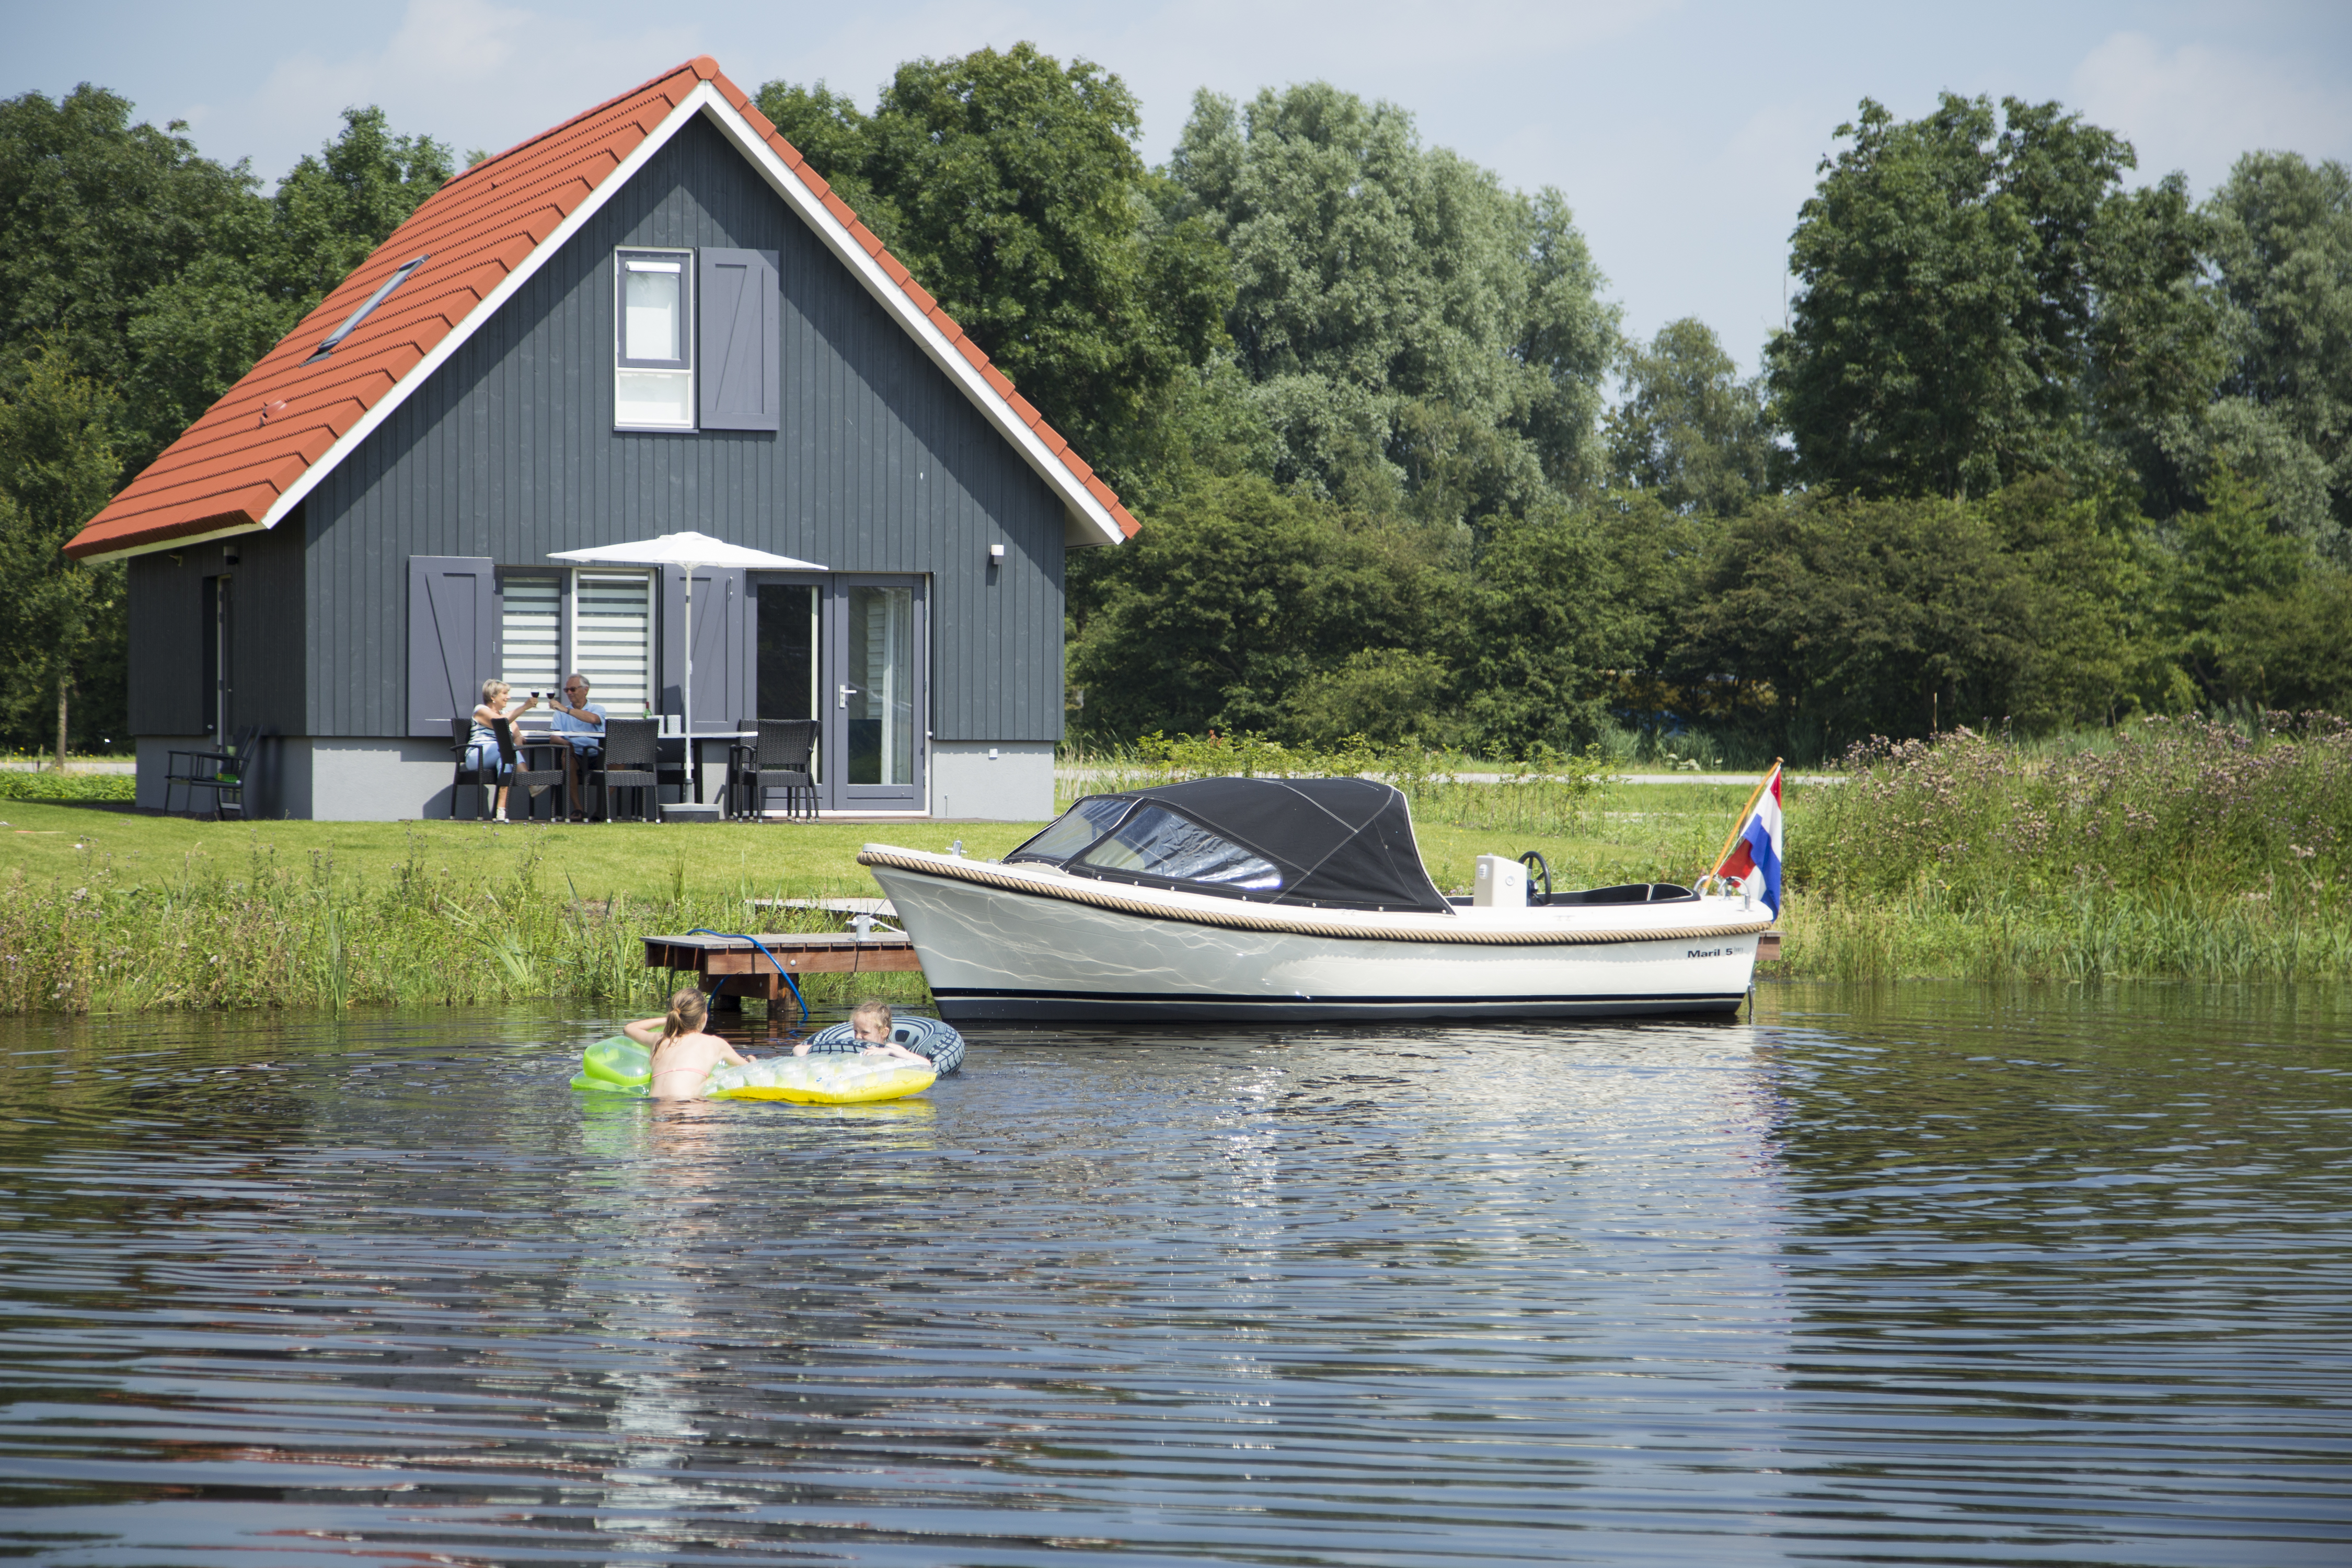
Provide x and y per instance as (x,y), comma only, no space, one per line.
(253,448)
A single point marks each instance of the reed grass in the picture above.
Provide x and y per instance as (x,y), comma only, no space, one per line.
(273,934)
(2191,848)
(2188,848)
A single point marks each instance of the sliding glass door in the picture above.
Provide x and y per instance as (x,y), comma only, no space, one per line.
(850,652)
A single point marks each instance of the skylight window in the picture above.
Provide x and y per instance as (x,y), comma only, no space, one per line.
(327,344)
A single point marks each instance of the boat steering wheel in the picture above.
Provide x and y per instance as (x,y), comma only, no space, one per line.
(1534,861)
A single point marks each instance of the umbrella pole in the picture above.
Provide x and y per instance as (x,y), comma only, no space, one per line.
(686,690)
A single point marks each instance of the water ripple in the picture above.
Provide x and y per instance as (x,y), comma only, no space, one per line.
(1925,1276)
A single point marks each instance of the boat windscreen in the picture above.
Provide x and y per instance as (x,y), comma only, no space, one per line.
(1342,843)
(1073,829)
(1158,843)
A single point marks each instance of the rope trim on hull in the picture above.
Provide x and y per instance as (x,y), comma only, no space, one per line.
(1290,923)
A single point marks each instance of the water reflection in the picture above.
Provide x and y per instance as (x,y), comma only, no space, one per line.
(1915,1276)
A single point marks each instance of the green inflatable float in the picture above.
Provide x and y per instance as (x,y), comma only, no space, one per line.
(621,1066)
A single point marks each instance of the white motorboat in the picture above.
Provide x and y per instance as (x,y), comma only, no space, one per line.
(1292,899)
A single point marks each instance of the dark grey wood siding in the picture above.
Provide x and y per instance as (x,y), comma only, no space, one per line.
(267,656)
(269,664)
(167,631)
(881,465)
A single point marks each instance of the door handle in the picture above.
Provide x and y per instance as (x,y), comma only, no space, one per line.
(846,693)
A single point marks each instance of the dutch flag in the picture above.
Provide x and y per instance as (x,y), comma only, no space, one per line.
(1754,863)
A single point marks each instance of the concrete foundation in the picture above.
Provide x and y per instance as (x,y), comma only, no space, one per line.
(390,778)
(1008,781)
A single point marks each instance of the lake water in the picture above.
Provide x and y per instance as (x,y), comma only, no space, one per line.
(1930,1275)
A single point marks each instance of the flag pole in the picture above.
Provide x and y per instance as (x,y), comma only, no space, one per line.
(1740,821)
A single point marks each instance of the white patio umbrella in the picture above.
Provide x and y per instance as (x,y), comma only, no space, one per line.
(688,550)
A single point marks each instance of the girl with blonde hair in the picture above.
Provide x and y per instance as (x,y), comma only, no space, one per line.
(683,1054)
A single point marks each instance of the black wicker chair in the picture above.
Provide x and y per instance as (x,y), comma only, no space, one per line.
(779,758)
(631,761)
(461,732)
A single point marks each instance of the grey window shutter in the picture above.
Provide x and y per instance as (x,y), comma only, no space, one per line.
(453,638)
(741,356)
(722,644)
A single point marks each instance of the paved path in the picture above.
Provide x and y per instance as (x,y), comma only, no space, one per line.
(1741,781)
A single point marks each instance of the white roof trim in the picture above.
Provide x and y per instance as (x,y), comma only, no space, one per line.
(177,542)
(457,336)
(1074,496)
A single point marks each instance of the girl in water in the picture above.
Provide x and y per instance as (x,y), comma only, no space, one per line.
(870,1022)
(683,1054)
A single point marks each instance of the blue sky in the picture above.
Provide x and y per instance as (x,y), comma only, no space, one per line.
(1684,135)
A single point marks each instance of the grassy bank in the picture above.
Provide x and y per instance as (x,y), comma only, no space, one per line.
(108,911)
(2174,848)
(2181,849)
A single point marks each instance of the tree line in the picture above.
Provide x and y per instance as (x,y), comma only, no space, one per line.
(2034,445)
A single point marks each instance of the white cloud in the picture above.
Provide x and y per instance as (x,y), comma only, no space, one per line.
(2196,108)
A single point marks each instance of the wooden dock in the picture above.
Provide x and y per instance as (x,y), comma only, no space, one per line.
(739,969)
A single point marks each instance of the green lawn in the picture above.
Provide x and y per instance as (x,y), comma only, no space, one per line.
(107,910)
(603,860)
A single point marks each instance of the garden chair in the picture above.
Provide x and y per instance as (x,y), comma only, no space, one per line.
(461,732)
(779,758)
(630,762)
(193,770)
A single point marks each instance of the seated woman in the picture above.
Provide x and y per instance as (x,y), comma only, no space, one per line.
(683,1055)
(482,753)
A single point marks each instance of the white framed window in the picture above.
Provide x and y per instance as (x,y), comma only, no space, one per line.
(653,340)
(613,639)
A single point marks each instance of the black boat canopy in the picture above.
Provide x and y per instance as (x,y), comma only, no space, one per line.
(1325,843)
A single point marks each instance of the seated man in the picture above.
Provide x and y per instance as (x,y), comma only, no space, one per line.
(580,725)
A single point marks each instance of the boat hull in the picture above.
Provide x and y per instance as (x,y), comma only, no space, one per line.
(1002,954)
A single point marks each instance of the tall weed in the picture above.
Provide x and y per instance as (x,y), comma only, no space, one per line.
(267,935)
(2197,848)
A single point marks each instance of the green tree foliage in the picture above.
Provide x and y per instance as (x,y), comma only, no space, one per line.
(1955,274)
(1384,694)
(338,203)
(2282,248)
(1009,184)
(165,275)
(1234,599)
(96,214)
(2252,614)
(1850,618)
(1413,332)
(1689,430)
(64,623)
(1567,603)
